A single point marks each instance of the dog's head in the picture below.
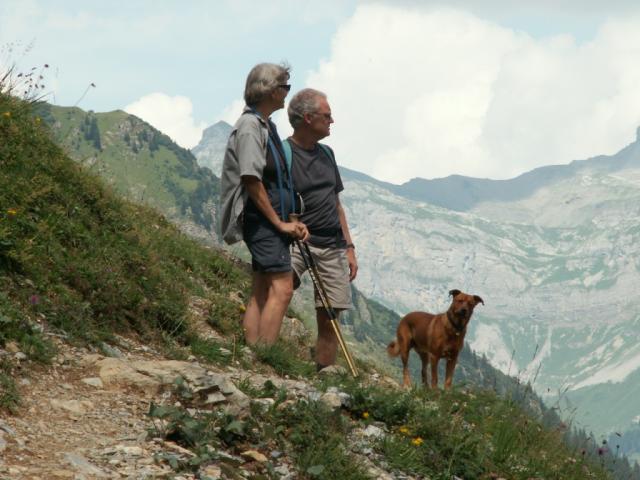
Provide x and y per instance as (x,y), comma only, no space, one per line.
(461,308)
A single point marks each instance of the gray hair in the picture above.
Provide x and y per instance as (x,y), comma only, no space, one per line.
(263,79)
(305,101)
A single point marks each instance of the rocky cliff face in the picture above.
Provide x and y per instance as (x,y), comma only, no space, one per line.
(556,268)
(210,150)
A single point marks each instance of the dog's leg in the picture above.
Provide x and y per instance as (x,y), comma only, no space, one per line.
(434,370)
(425,363)
(404,355)
(451,366)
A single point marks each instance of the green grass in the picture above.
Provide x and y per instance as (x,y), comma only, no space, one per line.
(468,434)
(317,436)
(438,435)
(75,255)
(285,359)
(9,397)
(211,351)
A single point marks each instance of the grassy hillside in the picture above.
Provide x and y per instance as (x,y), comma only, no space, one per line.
(79,262)
(140,162)
(77,257)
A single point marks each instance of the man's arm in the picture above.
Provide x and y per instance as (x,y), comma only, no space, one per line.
(351,251)
(258,195)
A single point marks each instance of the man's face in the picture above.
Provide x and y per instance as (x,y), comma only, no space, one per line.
(320,121)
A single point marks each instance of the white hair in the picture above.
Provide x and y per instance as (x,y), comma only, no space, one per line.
(263,79)
(305,101)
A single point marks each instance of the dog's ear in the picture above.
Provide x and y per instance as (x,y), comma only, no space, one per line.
(453,293)
(478,299)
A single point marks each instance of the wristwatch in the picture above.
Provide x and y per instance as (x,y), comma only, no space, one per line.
(351,245)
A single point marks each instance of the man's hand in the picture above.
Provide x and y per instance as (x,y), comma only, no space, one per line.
(353,263)
(297,230)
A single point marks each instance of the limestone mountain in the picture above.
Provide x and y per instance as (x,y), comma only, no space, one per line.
(460,193)
(210,149)
(554,254)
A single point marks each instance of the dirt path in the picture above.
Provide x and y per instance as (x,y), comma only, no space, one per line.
(70,426)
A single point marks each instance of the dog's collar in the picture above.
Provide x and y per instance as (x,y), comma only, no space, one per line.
(457,331)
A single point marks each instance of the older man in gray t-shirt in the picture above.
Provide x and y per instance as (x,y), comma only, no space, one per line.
(317,179)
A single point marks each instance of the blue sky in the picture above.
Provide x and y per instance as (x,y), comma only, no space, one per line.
(419,88)
(200,49)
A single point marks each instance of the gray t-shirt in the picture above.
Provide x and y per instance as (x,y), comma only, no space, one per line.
(317,179)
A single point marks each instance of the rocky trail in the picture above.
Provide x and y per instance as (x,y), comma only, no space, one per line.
(85,416)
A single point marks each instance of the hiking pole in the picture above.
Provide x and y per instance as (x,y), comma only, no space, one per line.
(322,293)
(310,263)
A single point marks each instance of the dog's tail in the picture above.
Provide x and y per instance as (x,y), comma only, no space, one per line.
(393,349)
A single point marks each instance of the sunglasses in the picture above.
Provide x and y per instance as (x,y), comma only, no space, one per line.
(285,87)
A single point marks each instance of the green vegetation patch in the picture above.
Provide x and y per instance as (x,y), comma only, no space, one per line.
(471,435)
(76,255)
(284,358)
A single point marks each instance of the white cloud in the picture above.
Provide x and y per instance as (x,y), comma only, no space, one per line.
(231,113)
(171,115)
(433,92)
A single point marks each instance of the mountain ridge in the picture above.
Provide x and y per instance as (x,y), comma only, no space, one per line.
(140,162)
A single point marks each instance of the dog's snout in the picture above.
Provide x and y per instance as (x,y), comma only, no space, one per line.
(462,312)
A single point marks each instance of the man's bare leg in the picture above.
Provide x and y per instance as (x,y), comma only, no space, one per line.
(327,342)
(251,319)
(280,291)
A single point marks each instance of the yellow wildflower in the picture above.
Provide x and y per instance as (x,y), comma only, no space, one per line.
(37,119)
(242,308)
(404,430)
(417,441)
(365,415)
(6,114)
(11,212)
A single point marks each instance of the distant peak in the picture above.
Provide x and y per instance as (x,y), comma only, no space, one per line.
(220,126)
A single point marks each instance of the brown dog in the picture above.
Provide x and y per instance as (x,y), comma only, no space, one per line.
(434,337)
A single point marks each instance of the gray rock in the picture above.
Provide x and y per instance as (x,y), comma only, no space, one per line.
(332,400)
(373,431)
(111,351)
(20,356)
(264,403)
(7,428)
(93,381)
(83,466)
(333,370)
(275,454)
(284,472)
(77,407)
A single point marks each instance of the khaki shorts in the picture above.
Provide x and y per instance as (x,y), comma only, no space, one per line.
(333,268)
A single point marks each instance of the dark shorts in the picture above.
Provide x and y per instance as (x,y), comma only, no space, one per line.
(270,252)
